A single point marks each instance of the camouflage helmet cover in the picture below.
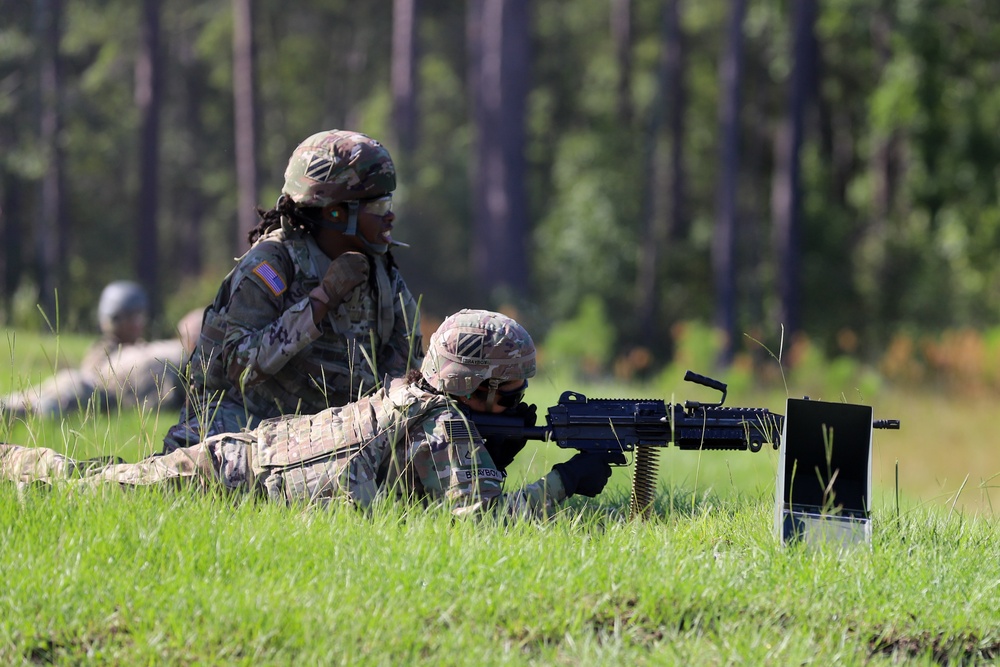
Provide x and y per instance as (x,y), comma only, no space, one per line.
(121,297)
(338,165)
(473,346)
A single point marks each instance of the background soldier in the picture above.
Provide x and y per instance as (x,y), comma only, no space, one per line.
(409,438)
(120,369)
(316,313)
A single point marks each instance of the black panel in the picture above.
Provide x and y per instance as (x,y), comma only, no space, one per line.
(812,427)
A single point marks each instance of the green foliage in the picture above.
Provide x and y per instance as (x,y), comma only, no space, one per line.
(24,309)
(190,295)
(696,347)
(433,192)
(583,242)
(583,345)
(900,198)
(839,378)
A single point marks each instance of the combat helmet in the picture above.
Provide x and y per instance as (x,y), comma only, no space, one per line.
(476,346)
(339,166)
(336,166)
(121,297)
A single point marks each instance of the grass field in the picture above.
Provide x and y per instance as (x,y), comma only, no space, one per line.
(155,576)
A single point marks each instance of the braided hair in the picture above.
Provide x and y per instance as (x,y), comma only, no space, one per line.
(284,208)
(305,218)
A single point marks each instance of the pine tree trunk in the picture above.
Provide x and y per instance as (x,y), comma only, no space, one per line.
(724,240)
(787,190)
(404,74)
(501,86)
(245,121)
(662,208)
(148,99)
(53,232)
(621,37)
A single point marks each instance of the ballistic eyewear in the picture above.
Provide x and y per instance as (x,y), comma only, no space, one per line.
(507,398)
(380,206)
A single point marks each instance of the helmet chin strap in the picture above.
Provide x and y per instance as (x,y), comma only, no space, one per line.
(352,218)
(350,228)
(491,396)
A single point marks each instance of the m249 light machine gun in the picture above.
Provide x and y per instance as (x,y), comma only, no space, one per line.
(613,425)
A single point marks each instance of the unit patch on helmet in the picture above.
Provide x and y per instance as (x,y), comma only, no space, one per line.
(274,282)
(319,167)
(470,347)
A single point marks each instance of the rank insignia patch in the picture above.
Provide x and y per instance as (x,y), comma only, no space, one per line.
(274,282)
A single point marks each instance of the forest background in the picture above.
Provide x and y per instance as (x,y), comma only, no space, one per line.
(650,186)
(813,178)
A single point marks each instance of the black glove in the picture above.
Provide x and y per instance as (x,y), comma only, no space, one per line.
(503,450)
(587,473)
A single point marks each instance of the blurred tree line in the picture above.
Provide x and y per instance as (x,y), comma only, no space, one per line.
(757,164)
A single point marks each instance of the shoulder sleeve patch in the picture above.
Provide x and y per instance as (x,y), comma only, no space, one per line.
(274,282)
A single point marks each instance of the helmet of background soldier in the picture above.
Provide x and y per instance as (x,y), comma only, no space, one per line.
(336,166)
(474,346)
(120,299)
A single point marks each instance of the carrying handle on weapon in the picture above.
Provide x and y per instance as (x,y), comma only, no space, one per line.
(705,381)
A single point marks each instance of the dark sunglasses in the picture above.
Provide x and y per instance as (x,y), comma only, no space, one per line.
(507,398)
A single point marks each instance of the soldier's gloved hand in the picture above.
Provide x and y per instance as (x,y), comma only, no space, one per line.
(587,473)
(503,451)
(345,273)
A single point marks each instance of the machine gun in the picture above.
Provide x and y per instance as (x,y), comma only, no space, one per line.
(643,426)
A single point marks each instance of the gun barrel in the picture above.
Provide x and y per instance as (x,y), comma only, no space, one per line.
(892,424)
(543,433)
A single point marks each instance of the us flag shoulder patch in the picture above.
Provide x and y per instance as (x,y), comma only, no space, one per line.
(458,431)
(274,282)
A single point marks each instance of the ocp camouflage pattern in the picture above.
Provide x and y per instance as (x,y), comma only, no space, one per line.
(473,346)
(338,165)
(112,374)
(401,441)
(276,360)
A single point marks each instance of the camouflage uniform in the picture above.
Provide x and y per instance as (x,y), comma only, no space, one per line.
(142,374)
(402,441)
(274,360)
(274,351)
(115,372)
